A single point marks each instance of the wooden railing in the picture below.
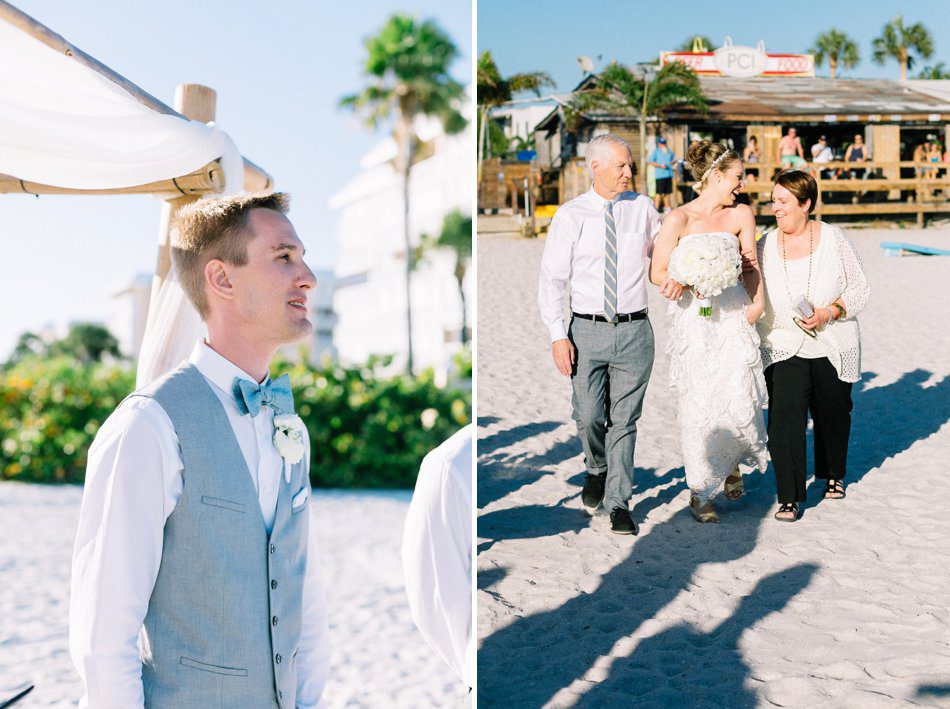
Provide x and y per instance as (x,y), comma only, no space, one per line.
(882,191)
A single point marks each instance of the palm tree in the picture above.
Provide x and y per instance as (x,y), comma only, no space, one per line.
(456,235)
(494,90)
(936,72)
(407,64)
(897,42)
(620,89)
(837,47)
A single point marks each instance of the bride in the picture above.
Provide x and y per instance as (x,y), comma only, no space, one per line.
(714,361)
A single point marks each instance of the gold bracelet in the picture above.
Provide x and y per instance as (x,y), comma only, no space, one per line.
(839,309)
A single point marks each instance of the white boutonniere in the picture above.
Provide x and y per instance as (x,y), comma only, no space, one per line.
(288,438)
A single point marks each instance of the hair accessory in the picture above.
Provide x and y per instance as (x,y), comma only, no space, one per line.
(698,186)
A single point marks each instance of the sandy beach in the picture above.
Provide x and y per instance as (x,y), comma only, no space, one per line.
(378,656)
(846,608)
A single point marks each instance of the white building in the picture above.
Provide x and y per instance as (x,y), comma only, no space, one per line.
(320,308)
(128,311)
(370,298)
(518,118)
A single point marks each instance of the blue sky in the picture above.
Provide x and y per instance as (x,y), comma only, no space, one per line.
(543,36)
(279,70)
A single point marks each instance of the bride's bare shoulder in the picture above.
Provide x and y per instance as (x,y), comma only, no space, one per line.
(741,212)
(678,217)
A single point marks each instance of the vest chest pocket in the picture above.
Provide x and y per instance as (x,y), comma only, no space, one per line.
(300,500)
(226,504)
(216,669)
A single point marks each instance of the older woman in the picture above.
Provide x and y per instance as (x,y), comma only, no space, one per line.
(811,345)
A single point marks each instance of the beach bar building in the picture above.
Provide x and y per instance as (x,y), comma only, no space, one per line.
(892,117)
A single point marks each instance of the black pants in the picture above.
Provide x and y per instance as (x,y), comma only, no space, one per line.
(796,386)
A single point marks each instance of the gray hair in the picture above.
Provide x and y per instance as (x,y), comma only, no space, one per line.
(597,147)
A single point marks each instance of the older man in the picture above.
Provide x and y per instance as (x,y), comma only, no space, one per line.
(600,244)
(196,584)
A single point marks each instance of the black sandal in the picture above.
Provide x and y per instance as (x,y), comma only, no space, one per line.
(834,490)
(788,512)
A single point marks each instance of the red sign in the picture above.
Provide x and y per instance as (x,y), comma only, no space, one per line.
(743,62)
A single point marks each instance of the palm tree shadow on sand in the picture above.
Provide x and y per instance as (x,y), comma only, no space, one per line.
(535,521)
(527,662)
(500,474)
(890,419)
(692,668)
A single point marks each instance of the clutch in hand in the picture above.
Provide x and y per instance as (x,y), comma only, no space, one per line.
(801,306)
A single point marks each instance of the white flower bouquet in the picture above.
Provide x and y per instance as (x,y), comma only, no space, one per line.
(708,263)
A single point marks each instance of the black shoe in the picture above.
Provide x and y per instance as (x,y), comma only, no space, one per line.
(593,492)
(621,522)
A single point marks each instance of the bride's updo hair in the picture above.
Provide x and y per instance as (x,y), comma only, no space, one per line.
(705,156)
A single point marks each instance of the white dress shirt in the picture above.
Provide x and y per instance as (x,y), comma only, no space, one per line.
(575,251)
(437,553)
(133,483)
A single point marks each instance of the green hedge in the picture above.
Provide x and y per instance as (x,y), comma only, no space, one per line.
(367,430)
(50,410)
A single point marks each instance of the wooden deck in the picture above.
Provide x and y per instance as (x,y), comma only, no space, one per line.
(881,192)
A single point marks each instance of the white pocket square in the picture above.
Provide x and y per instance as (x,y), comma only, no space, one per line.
(300,499)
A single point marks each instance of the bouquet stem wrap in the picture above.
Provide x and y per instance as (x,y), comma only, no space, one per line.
(705,307)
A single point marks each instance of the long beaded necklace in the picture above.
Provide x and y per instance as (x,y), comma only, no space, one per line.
(811,252)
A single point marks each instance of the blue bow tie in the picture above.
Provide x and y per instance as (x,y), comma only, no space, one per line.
(276,394)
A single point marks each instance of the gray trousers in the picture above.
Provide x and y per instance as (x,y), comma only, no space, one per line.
(614,362)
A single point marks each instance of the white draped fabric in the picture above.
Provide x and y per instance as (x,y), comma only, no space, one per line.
(437,553)
(64,124)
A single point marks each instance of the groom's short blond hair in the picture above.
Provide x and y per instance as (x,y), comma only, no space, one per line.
(216,229)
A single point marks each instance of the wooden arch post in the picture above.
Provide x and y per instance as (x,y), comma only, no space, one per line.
(198,103)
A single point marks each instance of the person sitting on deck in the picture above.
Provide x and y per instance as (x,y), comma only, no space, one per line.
(790,151)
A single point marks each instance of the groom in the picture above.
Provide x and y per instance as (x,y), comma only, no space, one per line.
(599,245)
(195,581)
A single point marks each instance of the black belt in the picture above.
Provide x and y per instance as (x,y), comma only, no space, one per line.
(624,317)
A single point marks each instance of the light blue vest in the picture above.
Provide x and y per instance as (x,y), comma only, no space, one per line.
(223,622)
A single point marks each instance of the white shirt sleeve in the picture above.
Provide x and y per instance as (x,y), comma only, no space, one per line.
(437,556)
(555,274)
(313,652)
(654,222)
(133,478)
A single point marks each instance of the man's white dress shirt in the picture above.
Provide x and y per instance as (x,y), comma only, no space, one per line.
(575,250)
(437,553)
(133,483)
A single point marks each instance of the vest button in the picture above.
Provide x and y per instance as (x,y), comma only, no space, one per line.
(277,658)
(273,621)
(273,583)
(272,548)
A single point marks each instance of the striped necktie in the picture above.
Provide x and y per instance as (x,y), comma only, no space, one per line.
(610,264)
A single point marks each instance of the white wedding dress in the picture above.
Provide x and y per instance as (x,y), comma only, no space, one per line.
(716,369)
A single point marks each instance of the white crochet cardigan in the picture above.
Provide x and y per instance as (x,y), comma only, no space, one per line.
(836,272)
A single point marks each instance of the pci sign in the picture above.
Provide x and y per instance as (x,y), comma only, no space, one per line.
(743,62)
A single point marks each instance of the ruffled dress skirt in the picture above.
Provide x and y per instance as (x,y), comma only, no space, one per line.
(716,369)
